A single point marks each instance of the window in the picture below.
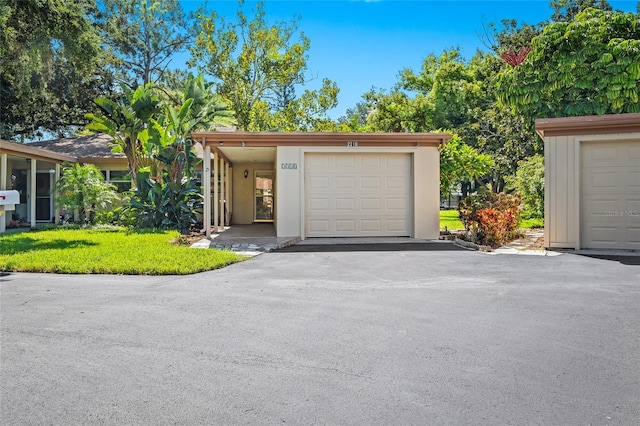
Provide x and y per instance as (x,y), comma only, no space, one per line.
(119,178)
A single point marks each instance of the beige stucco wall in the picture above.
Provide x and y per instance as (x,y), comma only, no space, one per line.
(290,189)
(562,187)
(426,166)
(243,191)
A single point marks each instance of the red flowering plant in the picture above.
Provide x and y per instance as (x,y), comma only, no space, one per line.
(491,218)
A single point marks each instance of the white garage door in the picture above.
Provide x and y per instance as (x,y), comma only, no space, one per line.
(355,195)
(610,195)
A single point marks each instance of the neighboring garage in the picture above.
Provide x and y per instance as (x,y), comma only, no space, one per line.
(330,184)
(592,167)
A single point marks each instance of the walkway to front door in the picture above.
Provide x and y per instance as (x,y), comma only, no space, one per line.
(247,239)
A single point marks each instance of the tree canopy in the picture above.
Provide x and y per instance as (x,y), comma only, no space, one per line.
(51,66)
(143,36)
(256,66)
(588,66)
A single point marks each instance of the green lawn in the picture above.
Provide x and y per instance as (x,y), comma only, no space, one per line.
(449,219)
(106,251)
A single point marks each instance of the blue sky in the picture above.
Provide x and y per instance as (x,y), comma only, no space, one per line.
(365,43)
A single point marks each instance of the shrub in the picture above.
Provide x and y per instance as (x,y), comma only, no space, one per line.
(529,183)
(82,187)
(491,218)
(166,205)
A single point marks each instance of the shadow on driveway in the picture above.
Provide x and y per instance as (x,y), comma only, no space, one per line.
(324,248)
(625,260)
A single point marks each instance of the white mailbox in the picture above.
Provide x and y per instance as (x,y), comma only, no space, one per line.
(9,199)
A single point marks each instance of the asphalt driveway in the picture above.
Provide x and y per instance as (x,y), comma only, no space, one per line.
(403,337)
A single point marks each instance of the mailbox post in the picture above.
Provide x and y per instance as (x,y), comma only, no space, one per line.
(8,201)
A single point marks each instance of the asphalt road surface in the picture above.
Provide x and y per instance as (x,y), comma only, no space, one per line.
(345,337)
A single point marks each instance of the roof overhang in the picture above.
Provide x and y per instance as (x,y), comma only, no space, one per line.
(274,139)
(588,125)
(26,151)
(261,146)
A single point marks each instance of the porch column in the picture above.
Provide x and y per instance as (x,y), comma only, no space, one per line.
(230,198)
(227,198)
(215,192)
(222,192)
(32,192)
(56,206)
(3,187)
(206,197)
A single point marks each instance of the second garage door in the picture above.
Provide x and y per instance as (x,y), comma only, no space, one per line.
(610,195)
(355,195)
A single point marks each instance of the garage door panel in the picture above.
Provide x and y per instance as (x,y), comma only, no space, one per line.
(369,195)
(370,182)
(371,225)
(633,183)
(601,181)
(345,161)
(345,204)
(345,225)
(610,195)
(318,182)
(396,225)
(370,204)
(319,204)
(344,183)
(633,237)
(319,225)
(372,161)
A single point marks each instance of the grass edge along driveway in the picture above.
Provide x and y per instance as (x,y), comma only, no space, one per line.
(106,251)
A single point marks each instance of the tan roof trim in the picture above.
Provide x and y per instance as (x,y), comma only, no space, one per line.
(26,151)
(588,125)
(271,139)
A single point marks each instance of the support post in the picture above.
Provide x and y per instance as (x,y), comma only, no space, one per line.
(56,205)
(230,199)
(206,196)
(4,161)
(222,192)
(216,198)
(32,192)
(227,196)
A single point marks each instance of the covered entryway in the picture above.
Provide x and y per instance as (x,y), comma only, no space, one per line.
(610,195)
(358,195)
(329,184)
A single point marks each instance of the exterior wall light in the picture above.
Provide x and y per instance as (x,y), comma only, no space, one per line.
(246,173)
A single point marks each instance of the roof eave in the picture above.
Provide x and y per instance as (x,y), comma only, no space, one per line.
(264,139)
(588,125)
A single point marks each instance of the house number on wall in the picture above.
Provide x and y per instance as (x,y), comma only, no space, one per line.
(352,143)
(289,166)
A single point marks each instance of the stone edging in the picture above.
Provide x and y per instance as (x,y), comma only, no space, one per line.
(472,246)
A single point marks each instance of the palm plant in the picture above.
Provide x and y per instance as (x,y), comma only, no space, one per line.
(125,120)
(83,187)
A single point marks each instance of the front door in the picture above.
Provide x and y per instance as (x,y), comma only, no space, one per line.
(263,196)
(43,197)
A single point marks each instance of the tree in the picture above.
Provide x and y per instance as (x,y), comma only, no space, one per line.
(529,183)
(461,162)
(167,195)
(143,36)
(168,138)
(589,66)
(83,188)
(254,63)
(125,119)
(567,10)
(51,66)
(449,86)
